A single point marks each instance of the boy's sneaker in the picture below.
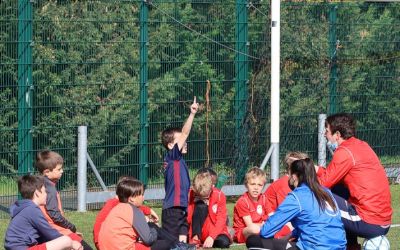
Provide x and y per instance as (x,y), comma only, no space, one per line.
(183,246)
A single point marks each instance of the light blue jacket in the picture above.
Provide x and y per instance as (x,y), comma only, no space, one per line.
(316,229)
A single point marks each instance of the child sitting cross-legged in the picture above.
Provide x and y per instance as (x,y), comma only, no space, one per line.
(126,227)
(28,228)
(207,214)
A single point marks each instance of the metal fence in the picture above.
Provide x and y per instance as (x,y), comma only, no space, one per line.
(129,69)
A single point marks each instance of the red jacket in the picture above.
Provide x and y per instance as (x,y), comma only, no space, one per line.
(357,166)
(215,223)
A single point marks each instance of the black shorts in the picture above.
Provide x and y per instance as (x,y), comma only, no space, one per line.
(174,220)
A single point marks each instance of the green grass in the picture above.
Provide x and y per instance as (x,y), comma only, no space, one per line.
(84,221)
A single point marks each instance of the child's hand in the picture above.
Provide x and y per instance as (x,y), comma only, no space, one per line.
(209,242)
(194,107)
(76,245)
(154,216)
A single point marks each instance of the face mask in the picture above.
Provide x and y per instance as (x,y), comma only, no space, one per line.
(291,184)
(332,146)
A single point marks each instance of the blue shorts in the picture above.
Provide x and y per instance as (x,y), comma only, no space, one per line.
(354,225)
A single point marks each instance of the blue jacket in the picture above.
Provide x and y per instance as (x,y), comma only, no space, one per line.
(27,227)
(315,228)
(176,179)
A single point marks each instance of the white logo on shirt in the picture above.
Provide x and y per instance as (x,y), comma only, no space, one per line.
(259,210)
(214,208)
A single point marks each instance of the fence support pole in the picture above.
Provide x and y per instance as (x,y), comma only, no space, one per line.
(241,73)
(82,168)
(333,50)
(321,140)
(25,87)
(144,124)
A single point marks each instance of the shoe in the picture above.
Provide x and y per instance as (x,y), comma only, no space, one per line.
(183,246)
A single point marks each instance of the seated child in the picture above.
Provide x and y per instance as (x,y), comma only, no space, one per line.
(50,165)
(207,214)
(28,228)
(125,226)
(251,209)
(109,205)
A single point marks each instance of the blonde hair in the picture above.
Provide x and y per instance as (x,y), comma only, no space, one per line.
(255,172)
(294,156)
(202,184)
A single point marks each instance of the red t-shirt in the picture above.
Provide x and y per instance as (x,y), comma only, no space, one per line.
(357,166)
(277,192)
(102,215)
(258,211)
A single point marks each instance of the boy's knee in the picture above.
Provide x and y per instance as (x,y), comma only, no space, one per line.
(222,241)
(253,241)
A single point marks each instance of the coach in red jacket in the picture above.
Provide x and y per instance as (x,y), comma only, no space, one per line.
(368,211)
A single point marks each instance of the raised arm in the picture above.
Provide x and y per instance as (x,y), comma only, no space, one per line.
(188,124)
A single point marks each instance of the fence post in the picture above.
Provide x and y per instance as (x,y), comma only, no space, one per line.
(25,87)
(321,140)
(241,73)
(82,168)
(144,125)
(333,50)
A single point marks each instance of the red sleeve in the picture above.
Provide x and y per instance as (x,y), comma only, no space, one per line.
(285,231)
(190,207)
(339,166)
(221,218)
(101,216)
(272,199)
(145,209)
(242,208)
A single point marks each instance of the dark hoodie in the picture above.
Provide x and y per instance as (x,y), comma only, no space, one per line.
(27,227)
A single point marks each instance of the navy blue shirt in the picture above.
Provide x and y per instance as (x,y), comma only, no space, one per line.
(176,179)
(28,227)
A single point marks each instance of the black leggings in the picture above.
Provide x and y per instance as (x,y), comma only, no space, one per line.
(200,214)
(165,240)
(85,245)
(258,242)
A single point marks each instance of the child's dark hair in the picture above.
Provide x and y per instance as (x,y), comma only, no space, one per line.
(305,171)
(167,136)
(342,122)
(127,188)
(28,184)
(214,175)
(48,160)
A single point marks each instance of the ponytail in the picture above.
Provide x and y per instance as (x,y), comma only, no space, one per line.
(305,171)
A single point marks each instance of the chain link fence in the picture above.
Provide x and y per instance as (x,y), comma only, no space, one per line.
(129,69)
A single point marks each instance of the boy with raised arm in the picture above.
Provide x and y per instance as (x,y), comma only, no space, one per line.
(176,176)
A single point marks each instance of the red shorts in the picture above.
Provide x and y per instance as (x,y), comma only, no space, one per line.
(140,246)
(75,237)
(38,247)
(239,237)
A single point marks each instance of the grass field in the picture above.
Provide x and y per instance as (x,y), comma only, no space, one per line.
(84,221)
